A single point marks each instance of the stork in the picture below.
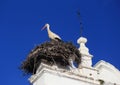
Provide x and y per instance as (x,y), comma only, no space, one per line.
(51,35)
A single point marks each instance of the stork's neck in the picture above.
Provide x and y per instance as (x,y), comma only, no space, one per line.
(48,28)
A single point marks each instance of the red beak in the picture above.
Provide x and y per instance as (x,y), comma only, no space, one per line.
(43,28)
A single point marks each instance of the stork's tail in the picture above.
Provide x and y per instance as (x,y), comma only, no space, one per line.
(57,39)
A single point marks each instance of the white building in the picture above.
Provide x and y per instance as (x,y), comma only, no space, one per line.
(103,73)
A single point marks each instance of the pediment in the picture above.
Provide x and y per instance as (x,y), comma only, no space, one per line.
(108,72)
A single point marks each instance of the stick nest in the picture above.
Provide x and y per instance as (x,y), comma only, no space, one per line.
(51,52)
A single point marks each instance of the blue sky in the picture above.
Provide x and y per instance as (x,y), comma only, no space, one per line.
(21,22)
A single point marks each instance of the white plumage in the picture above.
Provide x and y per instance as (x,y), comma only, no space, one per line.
(51,35)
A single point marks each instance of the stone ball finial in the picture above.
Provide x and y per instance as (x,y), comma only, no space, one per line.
(82,40)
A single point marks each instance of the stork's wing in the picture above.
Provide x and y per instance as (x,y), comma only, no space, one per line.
(56,36)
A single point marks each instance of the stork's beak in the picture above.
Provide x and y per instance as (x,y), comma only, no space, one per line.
(43,28)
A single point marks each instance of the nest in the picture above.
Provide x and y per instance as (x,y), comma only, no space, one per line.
(51,52)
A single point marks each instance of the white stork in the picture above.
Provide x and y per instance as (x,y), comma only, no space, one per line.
(51,35)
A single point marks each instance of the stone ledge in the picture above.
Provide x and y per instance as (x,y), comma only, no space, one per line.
(64,73)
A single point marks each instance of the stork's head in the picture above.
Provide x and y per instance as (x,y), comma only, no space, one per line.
(46,26)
